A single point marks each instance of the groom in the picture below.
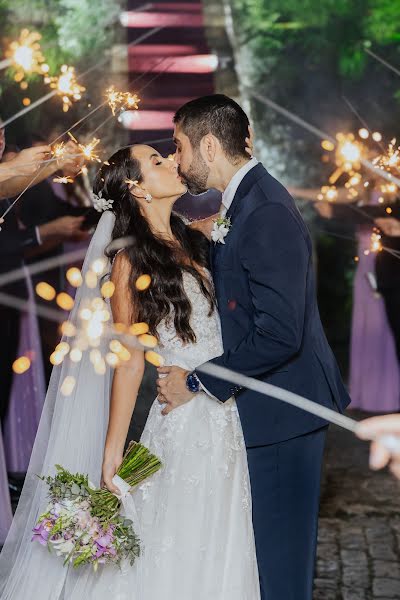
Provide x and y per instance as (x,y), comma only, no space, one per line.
(271,328)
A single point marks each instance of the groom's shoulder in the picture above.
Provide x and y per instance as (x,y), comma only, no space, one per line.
(268,192)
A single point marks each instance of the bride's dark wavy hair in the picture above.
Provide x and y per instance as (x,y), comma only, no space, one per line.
(150,254)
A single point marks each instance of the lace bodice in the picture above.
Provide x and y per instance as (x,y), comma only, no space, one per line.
(206,328)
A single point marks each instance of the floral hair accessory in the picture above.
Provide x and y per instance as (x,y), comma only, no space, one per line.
(101,204)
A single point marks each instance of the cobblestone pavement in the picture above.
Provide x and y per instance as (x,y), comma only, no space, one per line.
(359,535)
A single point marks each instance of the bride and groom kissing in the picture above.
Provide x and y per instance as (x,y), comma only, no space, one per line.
(233,513)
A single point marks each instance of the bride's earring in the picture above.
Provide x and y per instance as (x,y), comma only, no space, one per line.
(148,198)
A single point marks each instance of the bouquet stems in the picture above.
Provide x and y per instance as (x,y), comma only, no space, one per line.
(137,465)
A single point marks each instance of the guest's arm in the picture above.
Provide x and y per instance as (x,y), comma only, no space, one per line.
(29,162)
(376,429)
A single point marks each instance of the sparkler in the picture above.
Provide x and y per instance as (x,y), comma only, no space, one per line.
(375,243)
(66,86)
(63,179)
(88,150)
(121,100)
(25,56)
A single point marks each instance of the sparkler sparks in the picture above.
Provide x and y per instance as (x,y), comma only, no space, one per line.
(375,242)
(25,56)
(88,150)
(63,179)
(329,193)
(121,100)
(390,160)
(66,86)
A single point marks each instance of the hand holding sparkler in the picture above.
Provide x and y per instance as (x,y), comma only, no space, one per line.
(389,226)
(26,163)
(384,431)
(69,158)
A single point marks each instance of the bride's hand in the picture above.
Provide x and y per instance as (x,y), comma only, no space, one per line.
(204,225)
(111,464)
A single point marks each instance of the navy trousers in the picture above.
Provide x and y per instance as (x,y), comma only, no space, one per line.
(285,485)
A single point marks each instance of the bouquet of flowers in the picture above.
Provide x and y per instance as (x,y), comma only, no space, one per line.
(83,523)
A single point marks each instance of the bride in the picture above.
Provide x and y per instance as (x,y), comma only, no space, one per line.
(193,516)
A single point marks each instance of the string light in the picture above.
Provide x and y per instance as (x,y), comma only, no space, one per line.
(148,340)
(21,365)
(68,385)
(65,301)
(138,329)
(68,329)
(107,289)
(154,358)
(74,277)
(143,282)
(45,291)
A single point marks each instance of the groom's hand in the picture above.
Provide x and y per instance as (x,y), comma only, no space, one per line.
(172,389)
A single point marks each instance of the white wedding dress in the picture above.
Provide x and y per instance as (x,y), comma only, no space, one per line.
(195,513)
(193,516)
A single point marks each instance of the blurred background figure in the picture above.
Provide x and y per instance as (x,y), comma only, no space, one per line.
(374,377)
(36,228)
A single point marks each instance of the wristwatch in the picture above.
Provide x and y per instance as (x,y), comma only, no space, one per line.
(193,383)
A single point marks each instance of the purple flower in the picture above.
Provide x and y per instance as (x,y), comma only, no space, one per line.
(40,534)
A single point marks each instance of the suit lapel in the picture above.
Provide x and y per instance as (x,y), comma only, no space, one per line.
(245,186)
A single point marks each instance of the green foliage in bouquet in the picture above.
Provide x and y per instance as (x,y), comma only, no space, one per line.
(83,524)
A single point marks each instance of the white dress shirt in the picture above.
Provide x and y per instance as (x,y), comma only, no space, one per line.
(227,199)
(232,187)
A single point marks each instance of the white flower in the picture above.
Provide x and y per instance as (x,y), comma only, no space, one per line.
(220,230)
(62,546)
(101,204)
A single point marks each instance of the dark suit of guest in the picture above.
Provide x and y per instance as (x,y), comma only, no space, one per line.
(271,329)
(13,244)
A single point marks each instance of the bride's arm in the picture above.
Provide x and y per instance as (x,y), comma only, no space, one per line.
(205,225)
(127,378)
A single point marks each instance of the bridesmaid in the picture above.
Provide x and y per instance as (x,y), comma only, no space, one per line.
(374,369)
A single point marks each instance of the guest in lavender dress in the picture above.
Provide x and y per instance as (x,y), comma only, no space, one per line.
(27,394)
(374,369)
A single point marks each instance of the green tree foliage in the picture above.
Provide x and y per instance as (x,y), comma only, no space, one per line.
(328,29)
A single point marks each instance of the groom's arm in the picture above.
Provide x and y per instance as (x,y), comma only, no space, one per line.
(275,255)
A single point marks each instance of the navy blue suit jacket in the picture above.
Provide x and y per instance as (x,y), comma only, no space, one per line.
(271,328)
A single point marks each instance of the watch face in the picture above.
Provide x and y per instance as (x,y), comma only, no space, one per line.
(193,383)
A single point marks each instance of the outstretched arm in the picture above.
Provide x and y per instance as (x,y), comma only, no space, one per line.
(127,377)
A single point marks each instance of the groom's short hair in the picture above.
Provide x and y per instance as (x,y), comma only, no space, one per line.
(219,115)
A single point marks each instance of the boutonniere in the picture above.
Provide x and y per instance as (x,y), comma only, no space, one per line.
(220,229)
